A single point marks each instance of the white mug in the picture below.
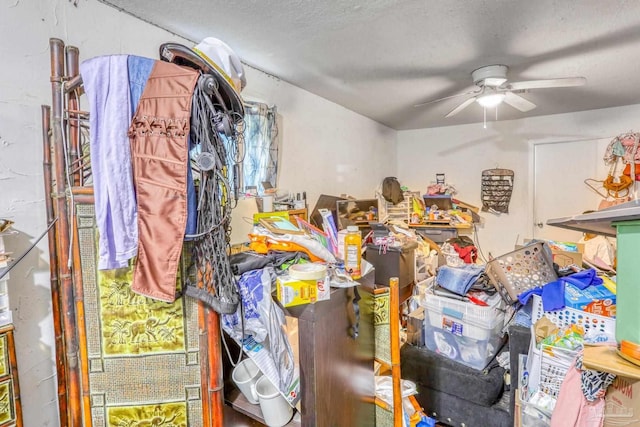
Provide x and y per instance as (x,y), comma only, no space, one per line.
(245,375)
(276,411)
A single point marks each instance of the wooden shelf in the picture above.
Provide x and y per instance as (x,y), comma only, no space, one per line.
(302,213)
(444,225)
(606,359)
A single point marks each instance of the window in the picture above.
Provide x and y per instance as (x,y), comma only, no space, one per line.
(260,162)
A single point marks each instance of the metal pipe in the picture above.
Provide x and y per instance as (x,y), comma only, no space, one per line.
(74,411)
(53,265)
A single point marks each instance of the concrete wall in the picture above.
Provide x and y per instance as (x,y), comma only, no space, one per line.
(325,149)
(463,152)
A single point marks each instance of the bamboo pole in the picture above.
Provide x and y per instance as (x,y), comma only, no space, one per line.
(53,265)
(73,84)
(62,230)
(73,69)
(82,191)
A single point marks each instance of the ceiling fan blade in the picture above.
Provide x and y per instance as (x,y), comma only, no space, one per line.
(461,107)
(518,102)
(471,92)
(543,84)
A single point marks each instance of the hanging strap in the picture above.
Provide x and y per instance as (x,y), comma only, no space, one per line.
(632,166)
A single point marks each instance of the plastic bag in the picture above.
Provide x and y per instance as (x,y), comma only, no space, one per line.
(259,326)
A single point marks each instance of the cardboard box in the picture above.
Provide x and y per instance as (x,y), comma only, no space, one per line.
(517,409)
(594,299)
(622,403)
(415,327)
(291,292)
(565,253)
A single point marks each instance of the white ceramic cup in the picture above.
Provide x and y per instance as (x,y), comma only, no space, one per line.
(276,411)
(245,375)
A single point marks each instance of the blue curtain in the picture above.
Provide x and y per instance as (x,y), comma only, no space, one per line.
(261,146)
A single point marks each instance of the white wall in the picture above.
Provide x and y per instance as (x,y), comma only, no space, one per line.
(326,149)
(463,152)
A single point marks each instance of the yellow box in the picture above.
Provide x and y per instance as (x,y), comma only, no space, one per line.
(292,292)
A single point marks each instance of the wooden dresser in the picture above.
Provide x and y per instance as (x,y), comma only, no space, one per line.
(336,345)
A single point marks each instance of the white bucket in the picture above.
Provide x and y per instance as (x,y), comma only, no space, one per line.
(245,375)
(267,203)
(275,409)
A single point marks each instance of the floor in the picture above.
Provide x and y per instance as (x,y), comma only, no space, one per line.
(233,418)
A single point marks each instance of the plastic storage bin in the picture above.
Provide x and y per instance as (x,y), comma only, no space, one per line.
(594,325)
(438,235)
(523,269)
(533,416)
(462,331)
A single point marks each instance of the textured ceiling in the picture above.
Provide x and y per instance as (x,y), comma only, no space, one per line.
(380,57)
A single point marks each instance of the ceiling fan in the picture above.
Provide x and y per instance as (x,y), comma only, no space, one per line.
(493,88)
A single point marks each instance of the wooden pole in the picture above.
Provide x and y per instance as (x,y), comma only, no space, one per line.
(394,322)
(216,380)
(14,369)
(80,321)
(74,412)
(53,265)
(204,366)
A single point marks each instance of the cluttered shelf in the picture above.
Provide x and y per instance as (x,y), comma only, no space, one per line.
(444,225)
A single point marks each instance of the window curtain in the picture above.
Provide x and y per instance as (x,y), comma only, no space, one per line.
(261,145)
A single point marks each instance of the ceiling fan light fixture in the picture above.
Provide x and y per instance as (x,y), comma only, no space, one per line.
(494,81)
(490,100)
